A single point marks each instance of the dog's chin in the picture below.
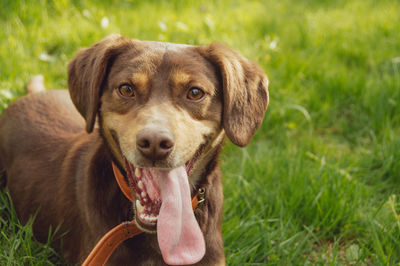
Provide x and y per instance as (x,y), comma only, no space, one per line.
(146,190)
(148,227)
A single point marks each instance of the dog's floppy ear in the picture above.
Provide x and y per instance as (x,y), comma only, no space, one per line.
(245,92)
(87,72)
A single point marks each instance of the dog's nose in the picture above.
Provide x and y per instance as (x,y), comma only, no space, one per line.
(153,144)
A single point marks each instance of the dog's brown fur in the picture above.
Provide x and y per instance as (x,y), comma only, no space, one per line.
(64,174)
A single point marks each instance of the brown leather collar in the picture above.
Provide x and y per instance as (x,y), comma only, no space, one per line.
(113,238)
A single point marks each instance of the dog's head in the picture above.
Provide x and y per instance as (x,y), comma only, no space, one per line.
(163,110)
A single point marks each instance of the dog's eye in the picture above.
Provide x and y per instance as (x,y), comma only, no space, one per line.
(195,94)
(126,91)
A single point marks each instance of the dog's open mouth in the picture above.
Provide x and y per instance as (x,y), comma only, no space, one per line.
(148,199)
(163,205)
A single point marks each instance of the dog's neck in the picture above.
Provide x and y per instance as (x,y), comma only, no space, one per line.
(109,207)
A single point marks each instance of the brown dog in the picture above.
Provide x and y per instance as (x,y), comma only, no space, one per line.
(162,112)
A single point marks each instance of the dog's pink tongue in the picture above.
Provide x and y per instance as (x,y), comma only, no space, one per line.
(179,237)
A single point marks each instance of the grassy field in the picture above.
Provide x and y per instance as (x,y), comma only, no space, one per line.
(320,183)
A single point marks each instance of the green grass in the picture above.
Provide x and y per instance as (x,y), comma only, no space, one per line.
(320,183)
(17,243)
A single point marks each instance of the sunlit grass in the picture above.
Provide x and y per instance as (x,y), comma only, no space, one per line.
(320,182)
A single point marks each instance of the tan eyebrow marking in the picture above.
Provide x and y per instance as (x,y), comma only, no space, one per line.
(180,77)
(140,79)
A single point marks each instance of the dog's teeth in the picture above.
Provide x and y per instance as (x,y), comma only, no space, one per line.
(139,206)
(148,218)
(143,194)
(140,184)
(137,172)
(152,218)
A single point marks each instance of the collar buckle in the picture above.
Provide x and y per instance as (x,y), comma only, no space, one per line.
(201,195)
